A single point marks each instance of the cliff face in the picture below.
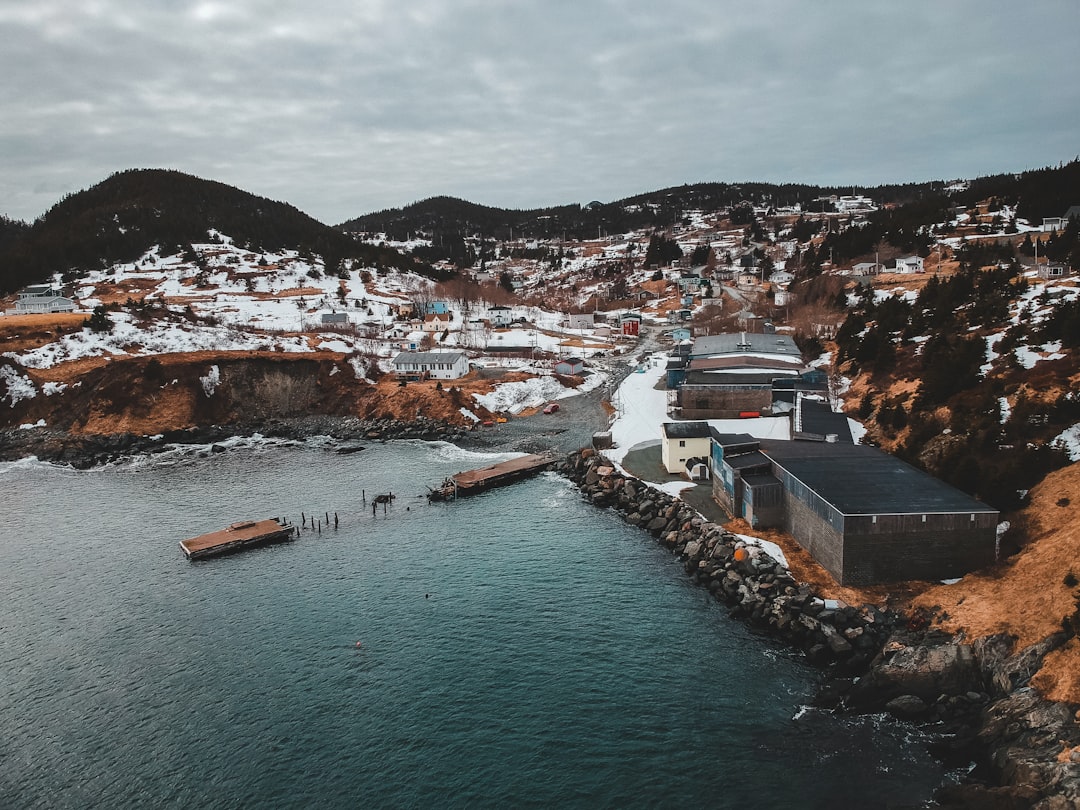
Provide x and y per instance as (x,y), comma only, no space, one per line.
(146,396)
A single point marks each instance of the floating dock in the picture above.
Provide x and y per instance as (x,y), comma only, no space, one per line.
(497,475)
(244,534)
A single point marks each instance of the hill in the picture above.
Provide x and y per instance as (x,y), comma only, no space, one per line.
(133,211)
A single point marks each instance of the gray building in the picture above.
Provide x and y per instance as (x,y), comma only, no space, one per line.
(865,516)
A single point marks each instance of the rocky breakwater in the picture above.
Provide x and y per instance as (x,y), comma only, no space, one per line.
(755,587)
(974,699)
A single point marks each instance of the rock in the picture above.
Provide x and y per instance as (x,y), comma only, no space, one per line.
(907,707)
(924,671)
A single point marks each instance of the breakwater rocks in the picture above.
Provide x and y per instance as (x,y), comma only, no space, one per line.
(974,699)
(755,587)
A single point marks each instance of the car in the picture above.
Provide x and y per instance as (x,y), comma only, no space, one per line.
(551,407)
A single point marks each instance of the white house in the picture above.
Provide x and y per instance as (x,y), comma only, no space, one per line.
(683,441)
(583,320)
(38,298)
(500,316)
(909,264)
(432,365)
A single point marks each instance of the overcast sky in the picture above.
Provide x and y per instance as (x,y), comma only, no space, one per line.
(347,107)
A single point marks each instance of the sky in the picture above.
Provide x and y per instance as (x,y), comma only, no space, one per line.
(346,107)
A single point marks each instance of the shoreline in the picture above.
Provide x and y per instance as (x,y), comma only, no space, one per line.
(974,700)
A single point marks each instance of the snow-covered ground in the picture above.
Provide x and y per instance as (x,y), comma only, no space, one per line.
(514,397)
(642,410)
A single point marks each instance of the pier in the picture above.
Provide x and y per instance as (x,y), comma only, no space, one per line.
(244,534)
(497,475)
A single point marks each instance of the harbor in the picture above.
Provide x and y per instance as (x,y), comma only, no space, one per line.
(472,482)
(240,535)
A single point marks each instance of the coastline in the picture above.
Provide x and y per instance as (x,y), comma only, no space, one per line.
(973,698)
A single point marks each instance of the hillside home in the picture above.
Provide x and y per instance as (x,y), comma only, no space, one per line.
(334,318)
(39,298)
(436,322)
(436,308)
(630,324)
(582,320)
(569,366)
(909,264)
(682,441)
(1058,223)
(1053,270)
(866,269)
(431,365)
(689,283)
(500,316)
(864,515)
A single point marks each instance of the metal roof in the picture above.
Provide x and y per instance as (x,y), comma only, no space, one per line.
(424,358)
(818,418)
(860,480)
(745,342)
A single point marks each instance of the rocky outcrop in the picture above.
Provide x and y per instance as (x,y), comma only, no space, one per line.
(85,451)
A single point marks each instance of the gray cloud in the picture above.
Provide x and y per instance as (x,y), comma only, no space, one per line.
(354,107)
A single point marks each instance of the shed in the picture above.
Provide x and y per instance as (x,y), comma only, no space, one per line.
(569,366)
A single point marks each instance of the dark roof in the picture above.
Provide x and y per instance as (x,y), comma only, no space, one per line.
(758,480)
(746,461)
(686,430)
(820,420)
(734,443)
(860,480)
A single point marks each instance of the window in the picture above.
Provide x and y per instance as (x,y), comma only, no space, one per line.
(682,442)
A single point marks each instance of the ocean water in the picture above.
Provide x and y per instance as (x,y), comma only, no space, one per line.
(516,649)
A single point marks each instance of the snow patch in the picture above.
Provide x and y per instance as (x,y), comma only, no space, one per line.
(1069,441)
(210,381)
(19,386)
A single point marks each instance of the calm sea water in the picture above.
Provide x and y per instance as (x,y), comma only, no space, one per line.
(519,649)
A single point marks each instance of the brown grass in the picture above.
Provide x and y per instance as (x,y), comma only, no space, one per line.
(1027,596)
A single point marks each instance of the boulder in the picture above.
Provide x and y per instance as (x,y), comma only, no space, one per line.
(907,707)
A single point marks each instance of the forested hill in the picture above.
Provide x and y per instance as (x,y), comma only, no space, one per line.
(452,216)
(122,217)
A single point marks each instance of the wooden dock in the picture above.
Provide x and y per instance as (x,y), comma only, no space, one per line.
(497,475)
(243,534)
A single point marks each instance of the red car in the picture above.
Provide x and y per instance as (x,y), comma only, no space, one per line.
(551,407)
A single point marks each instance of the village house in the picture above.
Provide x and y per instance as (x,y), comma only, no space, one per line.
(582,320)
(630,324)
(436,322)
(682,442)
(500,316)
(431,365)
(1053,270)
(39,298)
(865,269)
(909,264)
(334,318)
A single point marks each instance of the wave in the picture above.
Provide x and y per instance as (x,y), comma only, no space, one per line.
(445,451)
